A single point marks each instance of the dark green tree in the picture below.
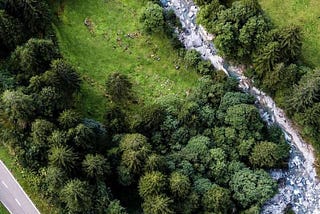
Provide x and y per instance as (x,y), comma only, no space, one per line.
(208,14)
(64,77)
(58,137)
(76,195)
(152,183)
(202,185)
(115,120)
(83,138)
(155,162)
(290,42)
(33,58)
(157,204)
(18,108)
(226,40)
(40,131)
(62,157)
(119,87)
(116,208)
(251,36)
(192,58)
(267,58)
(266,154)
(197,150)
(69,118)
(244,117)
(95,166)
(135,150)
(49,101)
(179,185)
(152,18)
(10,32)
(234,98)
(34,14)
(54,179)
(306,93)
(217,200)
(252,187)
(218,165)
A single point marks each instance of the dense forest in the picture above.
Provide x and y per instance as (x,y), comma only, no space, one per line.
(272,55)
(207,153)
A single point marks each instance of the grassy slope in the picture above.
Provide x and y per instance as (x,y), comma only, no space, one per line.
(3,210)
(305,13)
(98,53)
(26,180)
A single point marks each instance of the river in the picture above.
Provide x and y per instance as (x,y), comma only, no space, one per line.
(299,186)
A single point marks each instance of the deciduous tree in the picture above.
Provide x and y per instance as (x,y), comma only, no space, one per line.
(152,18)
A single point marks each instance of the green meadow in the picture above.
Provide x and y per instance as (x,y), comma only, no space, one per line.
(113,41)
(304,13)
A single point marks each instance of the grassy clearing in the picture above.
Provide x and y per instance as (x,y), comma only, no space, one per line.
(27,181)
(304,13)
(105,47)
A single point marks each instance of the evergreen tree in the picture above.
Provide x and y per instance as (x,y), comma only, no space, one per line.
(217,200)
(10,32)
(32,58)
(119,87)
(152,183)
(62,157)
(95,166)
(34,14)
(157,204)
(179,185)
(76,195)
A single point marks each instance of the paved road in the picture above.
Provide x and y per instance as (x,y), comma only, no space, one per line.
(12,195)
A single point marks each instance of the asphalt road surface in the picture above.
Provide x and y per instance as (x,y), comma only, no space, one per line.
(12,195)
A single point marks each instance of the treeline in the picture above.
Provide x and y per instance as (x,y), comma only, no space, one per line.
(245,34)
(207,153)
(39,123)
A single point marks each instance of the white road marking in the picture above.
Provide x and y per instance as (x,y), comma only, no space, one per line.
(4,184)
(26,196)
(17,202)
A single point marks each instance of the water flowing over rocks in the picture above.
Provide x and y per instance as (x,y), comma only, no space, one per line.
(299,186)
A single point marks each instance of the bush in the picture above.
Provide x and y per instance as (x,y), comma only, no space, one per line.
(192,58)
(152,18)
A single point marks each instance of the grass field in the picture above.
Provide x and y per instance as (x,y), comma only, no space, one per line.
(3,210)
(25,179)
(305,13)
(114,42)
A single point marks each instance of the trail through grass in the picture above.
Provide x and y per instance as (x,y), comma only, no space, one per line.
(304,13)
(113,41)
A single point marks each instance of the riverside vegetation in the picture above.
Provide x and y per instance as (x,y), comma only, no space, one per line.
(92,135)
(273,56)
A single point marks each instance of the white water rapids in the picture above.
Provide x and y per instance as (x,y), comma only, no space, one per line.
(299,187)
